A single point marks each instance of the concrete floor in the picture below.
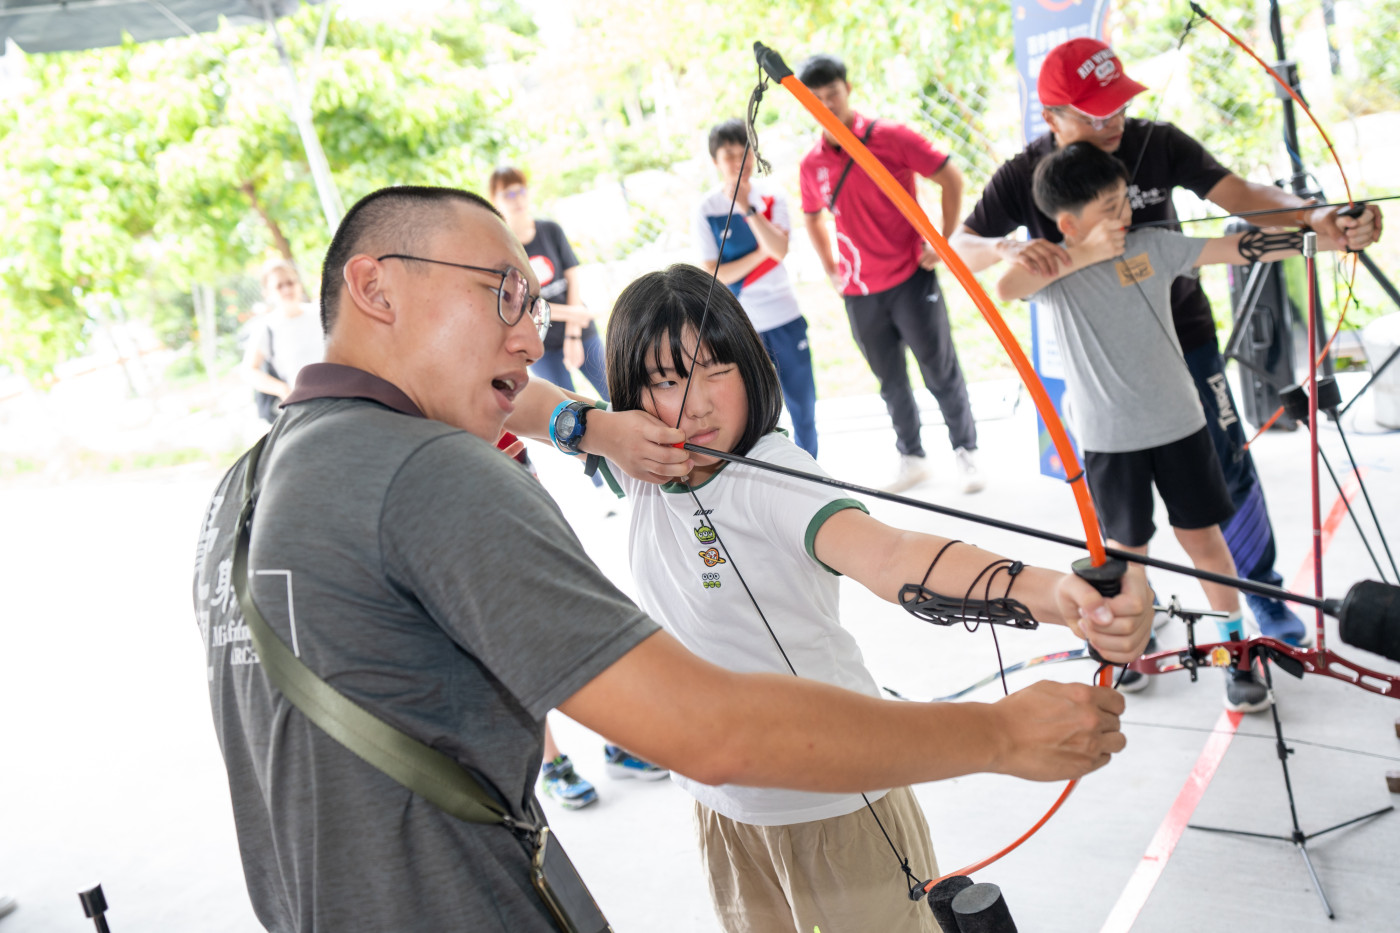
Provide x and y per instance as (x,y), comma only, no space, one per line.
(110,772)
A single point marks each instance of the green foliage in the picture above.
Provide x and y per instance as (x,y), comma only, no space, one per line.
(145,168)
(1378,87)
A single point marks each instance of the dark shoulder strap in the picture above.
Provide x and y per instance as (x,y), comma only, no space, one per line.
(865,138)
(423,770)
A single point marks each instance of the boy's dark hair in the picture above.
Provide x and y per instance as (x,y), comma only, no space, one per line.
(820,70)
(390,220)
(659,308)
(1071,177)
(728,133)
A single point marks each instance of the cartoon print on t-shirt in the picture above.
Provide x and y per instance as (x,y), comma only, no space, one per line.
(711,557)
(704,534)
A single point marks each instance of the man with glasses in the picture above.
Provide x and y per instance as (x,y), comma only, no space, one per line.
(427,578)
(1085,95)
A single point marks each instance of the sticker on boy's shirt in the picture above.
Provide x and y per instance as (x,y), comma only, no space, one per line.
(1134,269)
(705,534)
(711,557)
(710,580)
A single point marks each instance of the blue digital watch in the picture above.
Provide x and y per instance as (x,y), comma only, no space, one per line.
(567,425)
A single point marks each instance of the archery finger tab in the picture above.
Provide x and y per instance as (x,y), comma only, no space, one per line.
(771,62)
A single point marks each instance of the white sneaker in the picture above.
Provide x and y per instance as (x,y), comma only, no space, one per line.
(913,470)
(972,479)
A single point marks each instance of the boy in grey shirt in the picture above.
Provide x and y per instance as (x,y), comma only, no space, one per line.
(1131,399)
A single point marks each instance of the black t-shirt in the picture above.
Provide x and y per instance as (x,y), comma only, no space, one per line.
(1169,159)
(550,256)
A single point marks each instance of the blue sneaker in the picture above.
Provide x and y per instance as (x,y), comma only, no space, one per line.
(623,764)
(1276,620)
(562,782)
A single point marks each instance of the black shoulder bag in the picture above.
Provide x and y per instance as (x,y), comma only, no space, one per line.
(424,770)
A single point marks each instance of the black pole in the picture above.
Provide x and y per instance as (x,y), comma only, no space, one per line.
(1290,117)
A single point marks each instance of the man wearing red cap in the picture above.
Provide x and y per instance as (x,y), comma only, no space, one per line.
(1085,95)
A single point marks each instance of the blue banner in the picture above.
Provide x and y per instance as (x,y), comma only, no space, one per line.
(1039,26)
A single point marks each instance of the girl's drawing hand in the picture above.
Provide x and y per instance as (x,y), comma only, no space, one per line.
(640,444)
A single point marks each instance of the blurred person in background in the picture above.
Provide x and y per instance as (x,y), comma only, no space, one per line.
(281,340)
(572,344)
(749,245)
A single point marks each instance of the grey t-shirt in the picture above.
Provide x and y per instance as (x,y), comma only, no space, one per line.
(1126,381)
(430,579)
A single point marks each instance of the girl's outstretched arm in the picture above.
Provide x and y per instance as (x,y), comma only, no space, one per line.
(883,559)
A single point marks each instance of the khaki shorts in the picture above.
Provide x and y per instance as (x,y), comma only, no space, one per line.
(837,874)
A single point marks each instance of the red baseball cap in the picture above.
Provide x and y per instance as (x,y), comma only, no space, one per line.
(1085,74)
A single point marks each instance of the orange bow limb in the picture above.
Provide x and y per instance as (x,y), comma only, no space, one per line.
(773,64)
(907,206)
(1332,150)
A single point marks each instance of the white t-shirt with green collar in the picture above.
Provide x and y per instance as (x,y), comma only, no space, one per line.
(687,560)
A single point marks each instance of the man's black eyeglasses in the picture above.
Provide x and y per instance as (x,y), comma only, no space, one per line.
(512,297)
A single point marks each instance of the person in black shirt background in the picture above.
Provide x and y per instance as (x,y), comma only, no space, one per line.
(572,343)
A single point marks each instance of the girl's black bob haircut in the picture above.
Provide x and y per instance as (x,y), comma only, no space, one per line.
(660,307)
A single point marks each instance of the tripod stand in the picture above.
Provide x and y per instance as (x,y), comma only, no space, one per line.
(1297,837)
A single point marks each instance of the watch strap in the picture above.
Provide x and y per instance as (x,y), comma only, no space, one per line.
(553,419)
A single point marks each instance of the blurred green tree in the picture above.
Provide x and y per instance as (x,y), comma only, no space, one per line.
(133,171)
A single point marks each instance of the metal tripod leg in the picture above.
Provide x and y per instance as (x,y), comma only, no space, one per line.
(1298,838)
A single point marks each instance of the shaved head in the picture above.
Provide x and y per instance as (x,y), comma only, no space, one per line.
(391,220)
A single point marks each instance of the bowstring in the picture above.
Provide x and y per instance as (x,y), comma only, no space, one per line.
(751,145)
(1191,24)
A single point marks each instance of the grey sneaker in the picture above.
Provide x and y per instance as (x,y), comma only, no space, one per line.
(913,470)
(1244,693)
(972,478)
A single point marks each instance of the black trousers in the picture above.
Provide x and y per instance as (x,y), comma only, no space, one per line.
(913,315)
